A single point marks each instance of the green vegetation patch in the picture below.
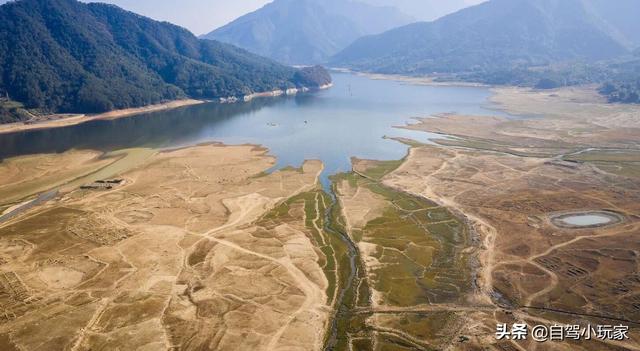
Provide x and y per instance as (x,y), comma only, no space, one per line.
(419,250)
(605,156)
(390,343)
(421,326)
(624,163)
(631,170)
(292,169)
(408,204)
(381,169)
(489,145)
(351,178)
(12,111)
(363,344)
(59,64)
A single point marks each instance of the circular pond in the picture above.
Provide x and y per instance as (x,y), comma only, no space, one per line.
(590,219)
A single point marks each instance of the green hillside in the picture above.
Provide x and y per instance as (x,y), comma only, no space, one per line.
(494,35)
(67,56)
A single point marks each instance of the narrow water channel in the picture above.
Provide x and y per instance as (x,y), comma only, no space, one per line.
(341,311)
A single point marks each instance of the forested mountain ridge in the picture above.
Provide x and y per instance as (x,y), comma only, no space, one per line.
(496,34)
(307,31)
(67,56)
(537,43)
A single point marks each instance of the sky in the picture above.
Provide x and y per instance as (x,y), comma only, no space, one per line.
(199,16)
(203,16)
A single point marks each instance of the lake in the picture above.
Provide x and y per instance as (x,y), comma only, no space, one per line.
(586,220)
(350,119)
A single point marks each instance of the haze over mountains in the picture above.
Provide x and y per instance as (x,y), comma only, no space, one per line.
(499,34)
(426,10)
(307,31)
(67,56)
(200,16)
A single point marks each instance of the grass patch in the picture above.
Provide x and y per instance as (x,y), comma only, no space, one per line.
(629,170)
(430,326)
(379,169)
(419,250)
(623,163)
(12,111)
(487,145)
(605,156)
(292,169)
(364,344)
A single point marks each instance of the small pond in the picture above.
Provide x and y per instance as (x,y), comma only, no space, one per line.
(586,219)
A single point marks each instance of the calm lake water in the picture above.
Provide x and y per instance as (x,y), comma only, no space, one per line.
(347,120)
(587,220)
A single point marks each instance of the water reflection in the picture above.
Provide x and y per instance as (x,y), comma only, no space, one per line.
(348,120)
(156,129)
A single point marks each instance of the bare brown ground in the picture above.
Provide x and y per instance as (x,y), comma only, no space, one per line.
(56,121)
(21,177)
(563,120)
(172,260)
(506,177)
(360,205)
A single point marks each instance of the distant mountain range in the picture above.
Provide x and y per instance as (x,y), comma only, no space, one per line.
(426,10)
(68,56)
(307,31)
(502,34)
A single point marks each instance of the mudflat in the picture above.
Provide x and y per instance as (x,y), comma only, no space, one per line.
(191,249)
(22,177)
(507,178)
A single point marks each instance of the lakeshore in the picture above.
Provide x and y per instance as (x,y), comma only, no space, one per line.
(66,120)
(58,121)
(417,80)
(441,245)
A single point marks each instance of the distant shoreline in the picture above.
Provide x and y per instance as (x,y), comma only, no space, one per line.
(57,121)
(416,80)
(272,93)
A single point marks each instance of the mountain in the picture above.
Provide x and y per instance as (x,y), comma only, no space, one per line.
(620,19)
(307,31)
(426,10)
(68,56)
(499,35)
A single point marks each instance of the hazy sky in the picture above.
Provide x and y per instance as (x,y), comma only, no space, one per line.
(202,16)
(199,16)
